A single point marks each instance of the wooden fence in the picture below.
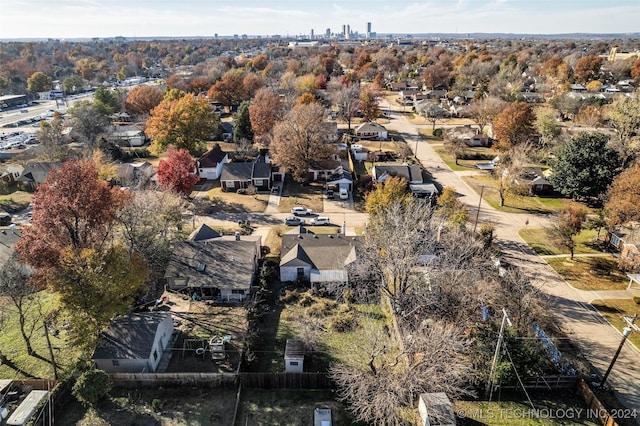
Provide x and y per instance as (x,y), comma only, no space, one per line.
(173,379)
(594,404)
(286,381)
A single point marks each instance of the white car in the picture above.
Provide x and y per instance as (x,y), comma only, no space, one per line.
(301,211)
(320,220)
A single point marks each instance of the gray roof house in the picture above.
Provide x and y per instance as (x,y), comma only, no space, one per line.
(371,130)
(213,266)
(35,174)
(134,343)
(412,174)
(235,176)
(317,258)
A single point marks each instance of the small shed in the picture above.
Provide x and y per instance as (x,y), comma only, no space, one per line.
(294,356)
(436,410)
(322,417)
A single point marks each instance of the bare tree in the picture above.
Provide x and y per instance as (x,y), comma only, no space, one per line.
(484,110)
(302,141)
(14,284)
(347,99)
(389,380)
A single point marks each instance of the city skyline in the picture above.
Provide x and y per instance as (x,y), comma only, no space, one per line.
(201,18)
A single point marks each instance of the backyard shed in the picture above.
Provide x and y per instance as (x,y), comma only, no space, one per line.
(294,356)
(322,417)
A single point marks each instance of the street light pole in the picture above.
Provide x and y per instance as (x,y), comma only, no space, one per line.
(625,333)
(478,212)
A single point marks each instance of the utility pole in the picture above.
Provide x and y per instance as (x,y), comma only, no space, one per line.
(494,363)
(478,212)
(625,333)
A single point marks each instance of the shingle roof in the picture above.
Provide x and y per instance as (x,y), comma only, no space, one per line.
(410,173)
(322,252)
(215,263)
(203,232)
(245,171)
(130,336)
(212,157)
(37,172)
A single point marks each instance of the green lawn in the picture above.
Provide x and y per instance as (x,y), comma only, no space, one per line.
(19,364)
(538,240)
(614,309)
(567,410)
(312,319)
(514,203)
(14,201)
(476,155)
(590,273)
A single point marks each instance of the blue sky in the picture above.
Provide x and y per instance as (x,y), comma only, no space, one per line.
(145,18)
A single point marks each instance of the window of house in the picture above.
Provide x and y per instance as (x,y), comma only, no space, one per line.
(293,362)
(300,273)
(115,362)
(237,291)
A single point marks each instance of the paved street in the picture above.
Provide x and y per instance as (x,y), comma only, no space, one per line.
(595,337)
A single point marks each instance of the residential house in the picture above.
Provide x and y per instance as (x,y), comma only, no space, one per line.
(371,130)
(342,180)
(397,87)
(226,129)
(8,177)
(211,266)
(210,163)
(332,133)
(294,356)
(625,241)
(318,259)
(135,175)
(134,343)
(35,174)
(235,176)
(540,185)
(411,173)
(130,136)
(325,169)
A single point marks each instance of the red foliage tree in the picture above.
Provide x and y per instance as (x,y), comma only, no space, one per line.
(177,172)
(71,210)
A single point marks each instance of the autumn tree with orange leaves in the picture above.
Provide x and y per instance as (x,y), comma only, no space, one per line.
(142,99)
(265,110)
(186,123)
(514,125)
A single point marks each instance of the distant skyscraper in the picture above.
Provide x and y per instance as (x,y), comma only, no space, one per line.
(327,33)
(311,33)
(368,30)
(348,31)
(344,30)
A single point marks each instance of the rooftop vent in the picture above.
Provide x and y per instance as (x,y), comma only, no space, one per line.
(202,267)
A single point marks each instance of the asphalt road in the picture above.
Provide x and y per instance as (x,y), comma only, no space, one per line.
(594,336)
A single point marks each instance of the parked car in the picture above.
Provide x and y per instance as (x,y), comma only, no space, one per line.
(320,220)
(344,194)
(330,193)
(301,211)
(275,189)
(293,221)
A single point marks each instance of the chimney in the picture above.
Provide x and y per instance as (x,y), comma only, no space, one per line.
(237,236)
